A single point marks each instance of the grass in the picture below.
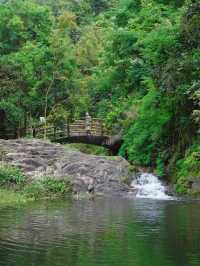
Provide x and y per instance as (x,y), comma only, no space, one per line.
(47,187)
(88,149)
(8,197)
(16,188)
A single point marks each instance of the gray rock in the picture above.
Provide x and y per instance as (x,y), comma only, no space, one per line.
(194,185)
(39,158)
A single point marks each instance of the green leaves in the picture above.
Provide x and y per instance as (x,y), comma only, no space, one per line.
(37,62)
(144,137)
(134,63)
(11,175)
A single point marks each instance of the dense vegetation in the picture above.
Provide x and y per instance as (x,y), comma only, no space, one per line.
(134,63)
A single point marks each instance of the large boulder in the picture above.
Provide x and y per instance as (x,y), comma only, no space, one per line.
(38,158)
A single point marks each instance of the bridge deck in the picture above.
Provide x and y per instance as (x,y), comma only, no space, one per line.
(78,132)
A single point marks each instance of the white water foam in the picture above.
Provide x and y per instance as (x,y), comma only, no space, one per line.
(149,186)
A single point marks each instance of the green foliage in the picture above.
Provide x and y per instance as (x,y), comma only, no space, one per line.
(133,63)
(47,187)
(182,186)
(189,166)
(34,191)
(11,175)
(11,198)
(36,59)
(56,186)
(160,166)
(12,178)
(12,111)
(58,116)
(88,149)
(143,140)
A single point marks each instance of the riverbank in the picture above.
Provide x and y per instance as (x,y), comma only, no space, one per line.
(34,169)
(16,188)
(10,198)
(38,168)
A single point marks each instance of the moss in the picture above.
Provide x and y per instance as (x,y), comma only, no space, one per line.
(88,149)
(126,180)
(132,168)
(113,158)
(194,193)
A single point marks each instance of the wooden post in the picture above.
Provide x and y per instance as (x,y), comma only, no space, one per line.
(54,132)
(102,128)
(68,129)
(34,131)
(2,124)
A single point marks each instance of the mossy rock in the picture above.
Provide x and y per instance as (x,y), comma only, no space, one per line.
(126,180)
(132,168)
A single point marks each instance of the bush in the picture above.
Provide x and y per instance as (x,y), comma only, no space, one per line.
(188,168)
(182,186)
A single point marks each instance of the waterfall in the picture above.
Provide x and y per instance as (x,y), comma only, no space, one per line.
(149,186)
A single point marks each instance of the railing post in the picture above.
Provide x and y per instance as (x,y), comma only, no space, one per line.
(102,128)
(34,132)
(68,129)
(54,132)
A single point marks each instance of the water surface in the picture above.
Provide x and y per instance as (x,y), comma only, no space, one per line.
(103,232)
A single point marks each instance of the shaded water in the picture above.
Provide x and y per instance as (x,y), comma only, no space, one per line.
(103,232)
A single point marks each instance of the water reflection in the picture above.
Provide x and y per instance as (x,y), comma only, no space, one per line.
(112,231)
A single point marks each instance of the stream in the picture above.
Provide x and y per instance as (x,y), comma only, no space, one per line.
(106,231)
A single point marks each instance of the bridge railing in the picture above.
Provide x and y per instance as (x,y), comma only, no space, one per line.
(76,128)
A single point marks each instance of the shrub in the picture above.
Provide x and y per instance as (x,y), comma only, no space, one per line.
(189,166)
(182,186)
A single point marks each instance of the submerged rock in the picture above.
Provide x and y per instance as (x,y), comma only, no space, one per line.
(38,158)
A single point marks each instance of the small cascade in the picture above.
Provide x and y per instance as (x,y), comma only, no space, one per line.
(149,186)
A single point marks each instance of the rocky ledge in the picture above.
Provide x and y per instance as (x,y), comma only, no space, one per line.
(38,158)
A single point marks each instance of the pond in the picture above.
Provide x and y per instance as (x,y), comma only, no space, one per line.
(101,232)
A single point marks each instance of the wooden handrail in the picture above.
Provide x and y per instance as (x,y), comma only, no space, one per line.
(77,127)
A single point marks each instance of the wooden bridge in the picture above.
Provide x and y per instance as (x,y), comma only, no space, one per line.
(78,132)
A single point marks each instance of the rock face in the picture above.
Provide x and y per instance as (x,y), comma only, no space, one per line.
(194,185)
(38,158)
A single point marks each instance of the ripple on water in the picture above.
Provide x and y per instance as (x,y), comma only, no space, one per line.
(103,232)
